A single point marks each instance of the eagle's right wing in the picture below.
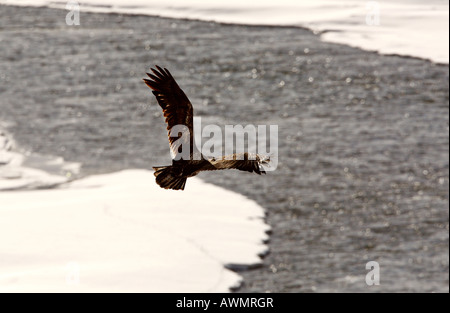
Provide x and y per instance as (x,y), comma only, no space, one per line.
(177,108)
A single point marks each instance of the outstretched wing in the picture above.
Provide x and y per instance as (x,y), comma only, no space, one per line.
(177,108)
(242,162)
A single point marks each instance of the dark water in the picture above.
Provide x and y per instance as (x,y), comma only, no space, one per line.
(363,138)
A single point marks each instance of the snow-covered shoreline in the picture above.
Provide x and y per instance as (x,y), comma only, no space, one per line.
(395,124)
(120,232)
(19,171)
(405,27)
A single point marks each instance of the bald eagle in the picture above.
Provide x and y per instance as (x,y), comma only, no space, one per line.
(178,113)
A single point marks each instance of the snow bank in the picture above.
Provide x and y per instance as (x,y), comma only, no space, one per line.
(408,27)
(120,232)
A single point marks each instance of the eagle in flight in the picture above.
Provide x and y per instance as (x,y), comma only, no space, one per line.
(178,113)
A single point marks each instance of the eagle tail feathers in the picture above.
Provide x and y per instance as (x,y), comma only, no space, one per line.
(167,178)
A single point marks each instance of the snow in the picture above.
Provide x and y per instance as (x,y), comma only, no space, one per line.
(119,232)
(407,27)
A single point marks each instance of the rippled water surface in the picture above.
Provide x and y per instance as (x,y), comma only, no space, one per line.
(363,138)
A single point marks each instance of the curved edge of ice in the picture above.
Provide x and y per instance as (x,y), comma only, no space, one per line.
(409,28)
(120,232)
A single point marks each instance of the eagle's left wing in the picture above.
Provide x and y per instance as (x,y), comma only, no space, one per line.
(242,161)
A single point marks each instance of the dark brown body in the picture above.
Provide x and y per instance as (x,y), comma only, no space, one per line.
(178,111)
